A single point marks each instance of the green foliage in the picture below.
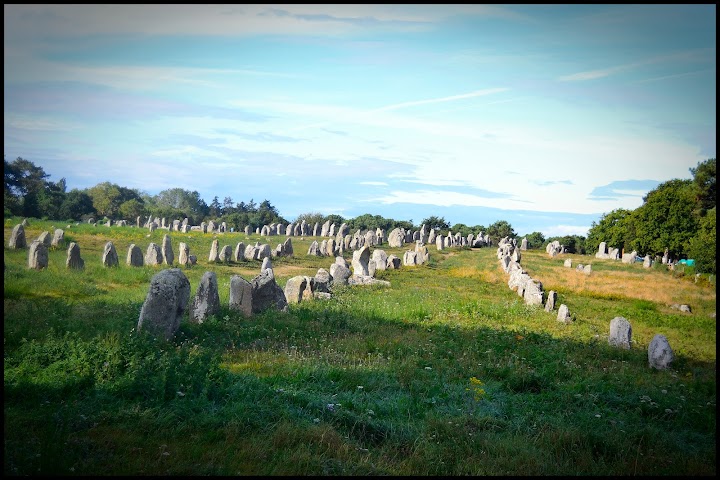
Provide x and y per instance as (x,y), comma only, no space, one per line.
(107,198)
(535,240)
(572,243)
(702,247)
(499,230)
(24,182)
(666,219)
(76,204)
(616,229)
(704,178)
(438,223)
(311,218)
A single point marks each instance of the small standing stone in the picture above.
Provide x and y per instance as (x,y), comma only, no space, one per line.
(207,299)
(165,303)
(38,255)
(58,238)
(74,260)
(184,254)
(620,333)
(166,250)
(134,256)
(17,237)
(110,257)
(153,254)
(241,295)
(564,314)
(660,355)
(550,302)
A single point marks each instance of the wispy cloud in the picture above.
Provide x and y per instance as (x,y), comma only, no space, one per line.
(623,188)
(451,98)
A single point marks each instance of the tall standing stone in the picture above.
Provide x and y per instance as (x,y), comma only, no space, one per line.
(153,254)
(660,355)
(109,256)
(165,304)
(380,258)
(74,260)
(523,244)
(214,251)
(167,251)
(550,302)
(288,248)
(239,254)
(266,293)
(360,261)
(241,295)
(134,256)
(17,237)
(207,299)
(396,238)
(38,255)
(58,238)
(184,254)
(266,264)
(620,333)
(295,289)
(45,238)
(225,254)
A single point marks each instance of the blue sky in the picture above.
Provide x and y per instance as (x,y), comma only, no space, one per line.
(544,116)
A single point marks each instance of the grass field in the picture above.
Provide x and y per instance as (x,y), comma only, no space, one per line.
(445,372)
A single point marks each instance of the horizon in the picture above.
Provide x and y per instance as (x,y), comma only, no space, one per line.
(546,116)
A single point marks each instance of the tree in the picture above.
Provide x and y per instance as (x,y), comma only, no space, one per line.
(571,243)
(177,202)
(535,240)
(704,180)
(438,223)
(23,183)
(227,206)
(500,229)
(702,246)
(310,218)
(215,208)
(666,219)
(132,209)
(76,204)
(50,198)
(615,228)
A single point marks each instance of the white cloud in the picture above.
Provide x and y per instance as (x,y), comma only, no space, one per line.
(562,230)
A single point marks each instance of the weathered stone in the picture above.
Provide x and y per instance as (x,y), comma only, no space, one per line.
(647,262)
(262,251)
(214,251)
(239,254)
(266,264)
(74,260)
(58,238)
(322,280)
(17,237)
(567,263)
(440,242)
(314,249)
(393,262)
(192,259)
(225,254)
(134,256)
(410,258)
(109,256)
(339,274)
(550,302)
(207,299)
(533,294)
(422,255)
(366,280)
(295,288)
(184,254)
(524,244)
(266,293)
(45,238)
(587,269)
(153,254)
(380,259)
(629,257)
(331,247)
(166,250)
(564,314)
(602,251)
(620,333)
(288,248)
(660,355)
(360,261)
(165,303)
(241,295)
(37,255)
(396,238)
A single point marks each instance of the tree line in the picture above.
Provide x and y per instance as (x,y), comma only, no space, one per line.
(678,215)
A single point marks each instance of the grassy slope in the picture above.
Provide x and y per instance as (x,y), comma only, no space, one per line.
(374,381)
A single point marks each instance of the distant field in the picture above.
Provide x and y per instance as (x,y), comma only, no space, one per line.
(445,372)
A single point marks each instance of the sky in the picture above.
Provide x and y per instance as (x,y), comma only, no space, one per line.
(545,116)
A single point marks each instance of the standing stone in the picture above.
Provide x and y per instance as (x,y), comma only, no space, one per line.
(422,254)
(266,264)
(360,261)
(38,255)
(74,260)
(266,293)
(660,355)
(620,333)
(262,251)
(523,244)
(339,274)
(647,262)
(58,238)
(137,221)
(314,249)
(564,314)
(225,254)
(325,229)
(439,242)
(322,281)
(247,230)
(533,293)
(167,251)
(153,255)
(410,258)
(214,251)
(587,269)
(288,248)
(241,295)
(316,230)
(393,262)
(239,254)
(550,302)
(207,299)
(165,303)
(17,237)
(45,238)
(396,238)
(134,256)
(295,289)
(380,259)
(184,254)
(567,263)
(109,256)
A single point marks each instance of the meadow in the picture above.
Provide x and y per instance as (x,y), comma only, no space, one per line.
(445,372)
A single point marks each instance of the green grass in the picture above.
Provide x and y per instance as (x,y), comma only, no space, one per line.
(375,381)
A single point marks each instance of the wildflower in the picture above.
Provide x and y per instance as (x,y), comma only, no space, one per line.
(316,420)
(428,368)
(597,415)
(360,387)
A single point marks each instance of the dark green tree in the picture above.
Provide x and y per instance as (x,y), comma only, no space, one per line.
(215,208)
(535,240)
(615,228)
(702,246)
(704,176)
(666,219)
(499,230)
(438,223)
(77,203)
(24,181)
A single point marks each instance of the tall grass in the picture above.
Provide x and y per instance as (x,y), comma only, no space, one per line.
(445,372)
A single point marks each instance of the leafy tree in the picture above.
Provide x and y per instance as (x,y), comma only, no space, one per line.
(227,206)
(77,203)
(132,209)
(463,229)
(50,198)
(107,198)
(267,214)
(438,223)
(615,228)
(310,218)
(535,240)
(571,243)
(702,246)
(177,202)
(666,219)
(334,218)
(23,183)
(500,229)
(704,180)
(215,208)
